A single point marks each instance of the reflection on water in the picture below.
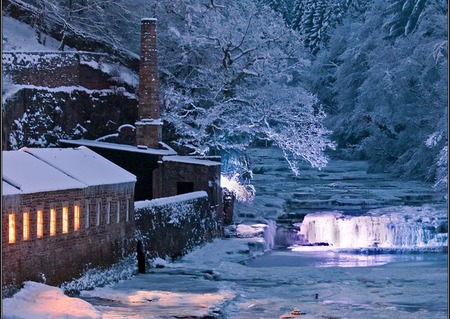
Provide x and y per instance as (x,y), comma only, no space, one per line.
(328,258)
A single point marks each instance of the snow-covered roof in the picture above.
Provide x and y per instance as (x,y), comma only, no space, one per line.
(83,165)
(122,147)
(8,189)
(36,170)
(31,175)
(190,160)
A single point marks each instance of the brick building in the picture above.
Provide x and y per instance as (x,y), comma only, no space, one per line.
(63,210)
(160,171)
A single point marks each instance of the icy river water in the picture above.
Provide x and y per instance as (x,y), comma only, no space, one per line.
(338,265)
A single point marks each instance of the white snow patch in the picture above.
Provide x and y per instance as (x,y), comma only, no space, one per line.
(40,301)
(83,164)
(170,200)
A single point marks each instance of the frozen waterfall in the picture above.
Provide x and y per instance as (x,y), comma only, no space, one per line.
(394,227)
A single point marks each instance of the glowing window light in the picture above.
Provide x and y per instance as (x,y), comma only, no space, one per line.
(65,220)
(52,222)
(40,224)
(12,228)
(26,226)
(99,210)
(118,211)
(128,210)
(108,212)
(88,215)
(76,217)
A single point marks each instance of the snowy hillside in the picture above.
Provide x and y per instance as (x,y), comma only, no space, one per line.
(19,36)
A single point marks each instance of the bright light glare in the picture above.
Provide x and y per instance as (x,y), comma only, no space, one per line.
(243,193)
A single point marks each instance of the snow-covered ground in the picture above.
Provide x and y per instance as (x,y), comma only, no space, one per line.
(238,277)
(19,36)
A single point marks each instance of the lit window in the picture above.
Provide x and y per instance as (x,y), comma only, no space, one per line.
(12,228)
(88,215)
(76,217)
(99,210)
(108,212)
(65,220)
(26,226)
(52,222)
(40,224)
(128,210)
(118,211)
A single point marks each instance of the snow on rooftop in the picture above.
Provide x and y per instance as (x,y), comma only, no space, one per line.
(190,160)
(170,200)
(31,175)
(84,165)
(121,147)
(8,189)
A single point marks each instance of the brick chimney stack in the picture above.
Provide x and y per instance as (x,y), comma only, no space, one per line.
(149,124)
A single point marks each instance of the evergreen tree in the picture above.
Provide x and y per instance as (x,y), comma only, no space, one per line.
(387,91)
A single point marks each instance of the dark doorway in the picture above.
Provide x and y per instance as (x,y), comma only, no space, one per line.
(140,258)
(185,187)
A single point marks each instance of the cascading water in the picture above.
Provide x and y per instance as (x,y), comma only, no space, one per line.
(269,234)
(397,228)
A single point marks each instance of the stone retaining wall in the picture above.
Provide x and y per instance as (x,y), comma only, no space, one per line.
(172,226)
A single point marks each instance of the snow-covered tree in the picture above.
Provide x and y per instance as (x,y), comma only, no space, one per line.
(314,19)
(388,89)
(232,74)
(112,22)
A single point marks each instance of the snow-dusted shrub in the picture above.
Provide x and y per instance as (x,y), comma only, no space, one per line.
(98,277)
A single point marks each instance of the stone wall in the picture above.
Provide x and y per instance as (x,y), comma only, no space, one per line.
(179,174)
(55,69)
(170,227)
(64,256)
(99,112)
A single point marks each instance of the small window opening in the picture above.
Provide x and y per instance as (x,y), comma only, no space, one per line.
(118,212)
(40,224)
(76,217)
(26,226)
(65,220)
(52,222)
(185,187)
(11,228)
(98,213)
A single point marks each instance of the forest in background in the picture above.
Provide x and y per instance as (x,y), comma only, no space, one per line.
(350,79)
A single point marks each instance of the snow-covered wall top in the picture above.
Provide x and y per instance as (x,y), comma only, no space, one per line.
(52,169)
(169,200)
(16,61)
(122,147)
(190,160)
(45,59)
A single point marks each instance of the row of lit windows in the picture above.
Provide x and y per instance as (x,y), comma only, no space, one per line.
(64,219)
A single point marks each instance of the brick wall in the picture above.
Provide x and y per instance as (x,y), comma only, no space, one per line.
(170,175)
(55,69)
(171,227)
(65,256)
